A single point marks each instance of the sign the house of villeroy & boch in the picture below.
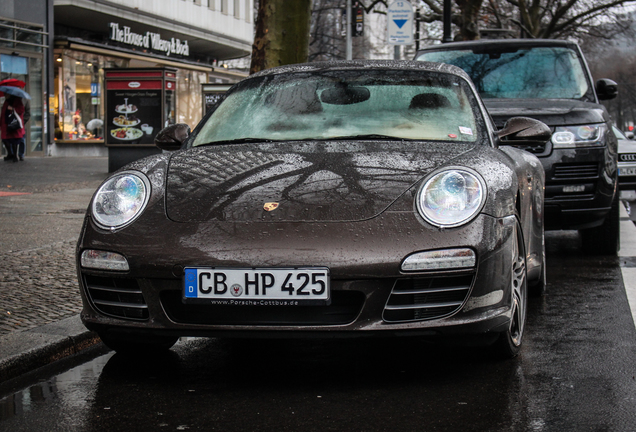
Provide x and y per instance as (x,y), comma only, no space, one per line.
(149,40)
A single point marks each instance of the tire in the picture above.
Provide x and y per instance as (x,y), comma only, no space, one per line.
(137,344)
(604,239)
(508,345)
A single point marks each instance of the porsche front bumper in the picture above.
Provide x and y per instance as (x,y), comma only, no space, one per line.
(365,272)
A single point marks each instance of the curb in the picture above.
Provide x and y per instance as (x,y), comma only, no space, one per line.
(26,351)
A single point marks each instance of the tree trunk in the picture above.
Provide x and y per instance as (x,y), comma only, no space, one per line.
(282,33)
(469,19)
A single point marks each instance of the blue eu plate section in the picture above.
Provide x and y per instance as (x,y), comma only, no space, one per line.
(191,283)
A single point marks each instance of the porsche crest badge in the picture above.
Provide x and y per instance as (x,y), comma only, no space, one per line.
(270,206)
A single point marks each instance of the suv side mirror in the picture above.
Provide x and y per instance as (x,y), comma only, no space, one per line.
(525,129)
(606,89)
(172,137)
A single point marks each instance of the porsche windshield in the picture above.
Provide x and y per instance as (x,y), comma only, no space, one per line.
(533,73)
(376,104)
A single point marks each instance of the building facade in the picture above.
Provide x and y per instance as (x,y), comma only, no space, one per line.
(190,37)
(26,54)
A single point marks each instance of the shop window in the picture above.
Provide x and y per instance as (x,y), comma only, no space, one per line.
(189,99)
(79,104)
(36,122)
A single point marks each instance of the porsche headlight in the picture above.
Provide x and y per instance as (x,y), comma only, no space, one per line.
(578,136)
(451,197)
(120,200)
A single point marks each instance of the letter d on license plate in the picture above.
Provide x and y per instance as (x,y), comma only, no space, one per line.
(264,286)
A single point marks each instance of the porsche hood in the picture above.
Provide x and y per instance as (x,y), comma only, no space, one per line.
(297,182)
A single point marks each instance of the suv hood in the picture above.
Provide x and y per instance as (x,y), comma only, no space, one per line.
(335,181)
(553,112)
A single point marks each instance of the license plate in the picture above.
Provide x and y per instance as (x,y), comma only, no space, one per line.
(627,171)
(257,287)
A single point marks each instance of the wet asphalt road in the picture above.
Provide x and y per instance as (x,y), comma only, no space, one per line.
(577,372)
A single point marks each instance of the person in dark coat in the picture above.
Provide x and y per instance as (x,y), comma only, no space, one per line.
(12,138)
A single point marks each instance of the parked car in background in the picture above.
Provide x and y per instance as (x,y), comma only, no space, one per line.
(331,199)
(626,165)
(549,80)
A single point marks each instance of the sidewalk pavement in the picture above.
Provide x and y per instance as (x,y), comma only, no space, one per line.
(42,207)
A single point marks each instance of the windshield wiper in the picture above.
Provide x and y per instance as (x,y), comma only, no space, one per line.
(365,137)
(238,141)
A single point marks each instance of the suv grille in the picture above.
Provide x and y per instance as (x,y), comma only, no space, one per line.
(427,298)
(118,297)
(576,171)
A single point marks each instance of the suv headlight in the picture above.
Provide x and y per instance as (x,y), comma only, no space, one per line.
(452,197)
(120,200)
(578,136)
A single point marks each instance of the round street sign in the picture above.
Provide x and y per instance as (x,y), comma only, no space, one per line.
(400,23)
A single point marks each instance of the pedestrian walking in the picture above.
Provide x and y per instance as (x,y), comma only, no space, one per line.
(12,126)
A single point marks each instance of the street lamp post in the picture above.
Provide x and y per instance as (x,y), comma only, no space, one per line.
(349,39)
(447,22)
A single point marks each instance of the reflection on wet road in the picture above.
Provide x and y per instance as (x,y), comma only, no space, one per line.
(576,373)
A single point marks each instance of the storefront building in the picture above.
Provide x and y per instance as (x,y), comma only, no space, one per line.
(25,54)
(190,37)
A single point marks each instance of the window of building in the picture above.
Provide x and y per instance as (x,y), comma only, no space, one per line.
(189,97)
(25,37)
(79,102)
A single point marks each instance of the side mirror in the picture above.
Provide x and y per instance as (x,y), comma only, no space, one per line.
(172,137)
(629,135)
(525,129)
(606,89)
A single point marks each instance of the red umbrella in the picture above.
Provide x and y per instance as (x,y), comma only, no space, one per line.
(13,82)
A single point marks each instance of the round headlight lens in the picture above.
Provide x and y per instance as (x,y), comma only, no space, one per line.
(120,199)
(451,198)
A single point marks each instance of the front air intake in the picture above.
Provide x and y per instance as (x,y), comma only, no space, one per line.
(117,297)
(426,298)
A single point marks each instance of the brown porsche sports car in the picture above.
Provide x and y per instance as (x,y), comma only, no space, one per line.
(359,198)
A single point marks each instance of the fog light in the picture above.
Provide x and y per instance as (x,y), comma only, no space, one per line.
(440,260)
(103,260)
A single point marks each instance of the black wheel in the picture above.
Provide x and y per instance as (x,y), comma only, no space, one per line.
(604,239)
(137,344)
(508,344)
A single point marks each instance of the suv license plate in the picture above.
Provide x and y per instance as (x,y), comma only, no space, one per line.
(257,287)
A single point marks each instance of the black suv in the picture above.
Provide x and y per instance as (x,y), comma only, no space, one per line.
(549,80)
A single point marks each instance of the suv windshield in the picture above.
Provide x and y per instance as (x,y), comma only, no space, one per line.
(393,104)
(528,73)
